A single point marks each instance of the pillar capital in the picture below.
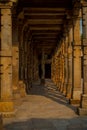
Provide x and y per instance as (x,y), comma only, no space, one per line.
(84,3)
(6,5)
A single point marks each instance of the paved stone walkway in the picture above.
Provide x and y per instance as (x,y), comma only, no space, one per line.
(45,109)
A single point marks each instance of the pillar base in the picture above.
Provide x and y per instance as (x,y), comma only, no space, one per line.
(22,89)
(82,111)
(74,101)
(28,87)
(68,96)
(7,108)
(42,81)
(84,101)
(83,106)
(16,93)
(64,93)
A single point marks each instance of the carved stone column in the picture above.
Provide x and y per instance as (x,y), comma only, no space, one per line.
(21,34)
(66,65)
(62,66)
(29,70)
(52,69)
(69,85)
(43,68)
(59,83)
(25,61)
(15,71)
(15,57)
(21,54)
(76,75)
(6,103)
(36,64)
(83,106)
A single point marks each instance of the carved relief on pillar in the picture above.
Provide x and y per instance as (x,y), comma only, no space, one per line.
(69,85)
(66,65)
(76,63)
(6,104)
(15,71)
(83,106)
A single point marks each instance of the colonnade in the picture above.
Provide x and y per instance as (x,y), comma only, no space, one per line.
(69,62)
(19,60)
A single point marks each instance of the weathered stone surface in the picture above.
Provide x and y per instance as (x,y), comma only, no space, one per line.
(83,106)
(76,90)
(82,111)
(6,106)
(22,89)
(15,71)
(1,122)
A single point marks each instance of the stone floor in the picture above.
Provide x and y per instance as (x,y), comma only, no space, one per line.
(45,109)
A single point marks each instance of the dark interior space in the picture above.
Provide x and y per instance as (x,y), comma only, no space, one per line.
(47,70)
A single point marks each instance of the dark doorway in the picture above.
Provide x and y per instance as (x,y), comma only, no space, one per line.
(47,70)
(40,71)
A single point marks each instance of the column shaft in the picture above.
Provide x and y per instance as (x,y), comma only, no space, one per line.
(43,68)
(6,104)
(76,88)
(69,85)
(83,105)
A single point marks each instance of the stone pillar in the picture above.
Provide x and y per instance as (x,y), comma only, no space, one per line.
(76,79)
(31,63)
(69,85)
(66,65)
(62,64)
(25,61)
(61,69)
(22,84)
(59,82)
(57,68)
(52,69)
(6,103)
(20,39)
(15,57)
(83,106)
(29,69)
(21,34)
(36,64)
(15,71)
(43,68)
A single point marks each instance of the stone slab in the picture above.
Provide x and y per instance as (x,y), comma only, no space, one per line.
(82,112)
(6,106)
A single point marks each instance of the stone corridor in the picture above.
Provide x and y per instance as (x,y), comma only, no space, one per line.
(45,108)
(42,40)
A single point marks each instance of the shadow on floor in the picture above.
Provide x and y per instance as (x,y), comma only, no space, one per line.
(50,90)
(49,124)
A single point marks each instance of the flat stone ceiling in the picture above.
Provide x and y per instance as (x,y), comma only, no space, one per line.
(46,19)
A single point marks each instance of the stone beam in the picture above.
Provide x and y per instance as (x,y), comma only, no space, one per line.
(45,21)
(43,10)
(45,14)
(44,28)
(44,34)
